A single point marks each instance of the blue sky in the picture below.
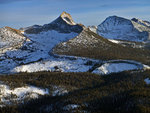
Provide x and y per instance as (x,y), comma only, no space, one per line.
(23,13)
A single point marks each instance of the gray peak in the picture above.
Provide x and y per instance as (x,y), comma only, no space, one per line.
(115,27)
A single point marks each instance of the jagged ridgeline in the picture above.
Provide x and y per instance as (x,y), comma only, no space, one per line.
(64,24)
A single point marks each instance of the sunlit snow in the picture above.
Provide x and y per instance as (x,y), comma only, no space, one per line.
(147,80)
(108,68)
(20,93)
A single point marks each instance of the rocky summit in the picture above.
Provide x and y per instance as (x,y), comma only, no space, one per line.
(64,24)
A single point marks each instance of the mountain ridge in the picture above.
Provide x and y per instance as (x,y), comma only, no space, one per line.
(91,45)
(11,38)
(60,67)
(37,42)
(114,27)
(64,24)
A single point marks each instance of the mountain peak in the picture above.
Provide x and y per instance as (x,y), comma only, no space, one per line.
(67,18)
(116,18)
(64,24)
(65,14)
(115,27)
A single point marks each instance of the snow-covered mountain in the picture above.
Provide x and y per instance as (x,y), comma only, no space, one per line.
(33,43)
(30,49)
(10,39)
(64,24)
(64,46)
(115,27)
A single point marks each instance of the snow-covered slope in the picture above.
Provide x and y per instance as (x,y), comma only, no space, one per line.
(121,28)
(93,28)
(118,66)
(17,95)
(64,24)
(10,39)
(9,96)
(30,50)
(70,64)
(145,23)
(147,80)
(27,48)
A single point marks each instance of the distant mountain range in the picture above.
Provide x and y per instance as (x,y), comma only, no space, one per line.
(35,57)
(37,44)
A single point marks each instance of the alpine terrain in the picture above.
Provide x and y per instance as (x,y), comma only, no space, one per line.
(65,67)
(115,27)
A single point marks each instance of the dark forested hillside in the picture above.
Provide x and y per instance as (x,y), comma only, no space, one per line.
(89,44)
(124,92)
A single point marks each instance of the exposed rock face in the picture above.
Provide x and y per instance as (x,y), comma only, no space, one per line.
(67,18)
(64,24)
(120,28)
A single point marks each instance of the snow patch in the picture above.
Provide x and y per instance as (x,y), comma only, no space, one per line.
(147,80)
(146,67)
(114,41)
(108,68)
(71,107)
(19,94)
(57,64)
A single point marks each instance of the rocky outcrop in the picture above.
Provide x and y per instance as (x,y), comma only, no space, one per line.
(64,24)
